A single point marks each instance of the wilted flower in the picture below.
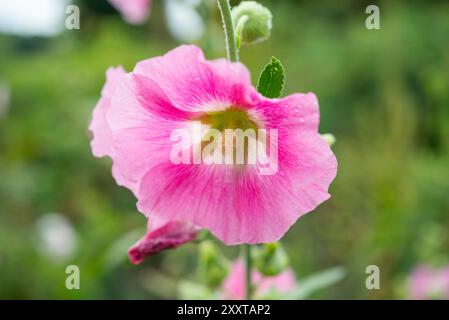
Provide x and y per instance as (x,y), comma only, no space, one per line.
(263,286)
(234,201)
(161,235)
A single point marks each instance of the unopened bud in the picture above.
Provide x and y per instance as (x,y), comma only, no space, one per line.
(271,259)
(213,267)
(252,21)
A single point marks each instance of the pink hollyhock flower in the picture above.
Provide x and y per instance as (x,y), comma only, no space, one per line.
(234,285)
(161,235)
(235,202)
(428,283)
(133,11)
(101,143)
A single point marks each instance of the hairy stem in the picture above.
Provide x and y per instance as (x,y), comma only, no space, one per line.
(226,17)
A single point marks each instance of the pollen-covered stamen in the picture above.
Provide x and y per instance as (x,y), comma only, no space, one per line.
(232,133)
(231,118)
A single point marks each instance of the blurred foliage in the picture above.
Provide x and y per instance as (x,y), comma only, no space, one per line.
(383,94)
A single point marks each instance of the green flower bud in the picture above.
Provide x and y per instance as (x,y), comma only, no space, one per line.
(213,267)
(252,22)
(329,137)
(270,259)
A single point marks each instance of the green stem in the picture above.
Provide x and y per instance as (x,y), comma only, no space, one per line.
(248,285)
(226,17)
(233,55)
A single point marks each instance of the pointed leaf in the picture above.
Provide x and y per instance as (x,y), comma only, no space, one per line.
(272,79)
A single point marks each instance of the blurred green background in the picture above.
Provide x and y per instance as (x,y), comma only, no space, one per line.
(383,93)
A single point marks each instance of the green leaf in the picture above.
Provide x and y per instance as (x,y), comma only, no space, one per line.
(272,79)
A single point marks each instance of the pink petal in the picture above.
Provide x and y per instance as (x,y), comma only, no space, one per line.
(161,235)
(102,142)
(194,84)
(102,137)
(141,134)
